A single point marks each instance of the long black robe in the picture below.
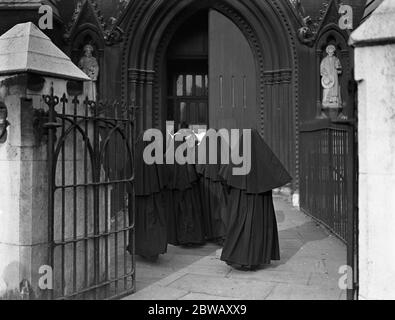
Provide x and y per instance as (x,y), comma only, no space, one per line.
(214,194)
(183,204)
(214,205)
(150,216)
(252,237)
(252,234)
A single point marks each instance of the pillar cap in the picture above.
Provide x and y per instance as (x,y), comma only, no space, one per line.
(26,49)
(378,29)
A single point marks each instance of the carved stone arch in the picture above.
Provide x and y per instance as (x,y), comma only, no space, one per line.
(86,32)
(332,30)
(158,58)
(292,38)
(150,25)
(258,21)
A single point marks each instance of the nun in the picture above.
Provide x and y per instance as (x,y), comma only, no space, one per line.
(213,191)
(252,234)
(182,194)
(150,215)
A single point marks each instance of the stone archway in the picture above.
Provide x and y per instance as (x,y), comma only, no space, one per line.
(265,26)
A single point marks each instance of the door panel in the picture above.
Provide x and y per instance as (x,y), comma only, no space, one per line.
(232,76)
(187,96)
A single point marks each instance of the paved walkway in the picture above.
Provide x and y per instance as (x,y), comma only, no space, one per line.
(311,258)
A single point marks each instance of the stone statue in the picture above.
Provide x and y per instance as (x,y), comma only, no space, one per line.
(331,68)
(88,63)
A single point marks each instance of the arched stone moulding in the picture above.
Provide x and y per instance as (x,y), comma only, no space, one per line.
(151,24)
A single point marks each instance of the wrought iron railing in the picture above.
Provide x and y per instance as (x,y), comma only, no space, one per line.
(90,198)
(329,184)
(327,175)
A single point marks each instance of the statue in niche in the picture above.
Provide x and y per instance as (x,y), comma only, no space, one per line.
(88,63)
(331,69)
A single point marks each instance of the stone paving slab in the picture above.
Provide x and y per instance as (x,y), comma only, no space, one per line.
(248,289)
(310,261)
(275,276)
(155,292)
(285,291)
(202,296)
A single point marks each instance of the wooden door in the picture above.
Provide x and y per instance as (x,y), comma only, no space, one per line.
(232,76)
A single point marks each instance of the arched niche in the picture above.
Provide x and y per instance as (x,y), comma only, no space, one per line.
(332,35)
(89,34)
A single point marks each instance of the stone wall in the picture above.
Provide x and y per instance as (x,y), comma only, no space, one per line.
(375,71)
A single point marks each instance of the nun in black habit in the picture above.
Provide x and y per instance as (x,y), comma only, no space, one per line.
(150,216)
(213,193)
(182,199)
(252,234)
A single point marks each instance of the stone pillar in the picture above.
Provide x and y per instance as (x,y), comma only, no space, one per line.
(375,72)
(21,170)
(24,186)
(24,243)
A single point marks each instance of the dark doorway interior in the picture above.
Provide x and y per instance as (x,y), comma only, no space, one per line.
(187,76)
(211,75)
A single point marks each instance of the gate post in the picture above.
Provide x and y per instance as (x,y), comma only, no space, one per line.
(25,76)
(375,72)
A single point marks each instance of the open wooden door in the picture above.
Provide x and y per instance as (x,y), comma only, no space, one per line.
(232,76)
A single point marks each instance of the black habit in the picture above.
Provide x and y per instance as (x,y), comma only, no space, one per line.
(150,216)
(252,234)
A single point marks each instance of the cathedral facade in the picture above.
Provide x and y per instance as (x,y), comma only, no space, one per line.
(226,63)
(282,67)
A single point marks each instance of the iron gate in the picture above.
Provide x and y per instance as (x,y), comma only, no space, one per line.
(328,183)
(90,198)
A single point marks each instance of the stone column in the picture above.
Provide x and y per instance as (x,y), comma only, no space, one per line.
(24,187)
(25,76)
(375,72)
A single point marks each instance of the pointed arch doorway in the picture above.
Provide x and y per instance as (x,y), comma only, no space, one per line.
(215,63)
(248,52)
(211,75)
